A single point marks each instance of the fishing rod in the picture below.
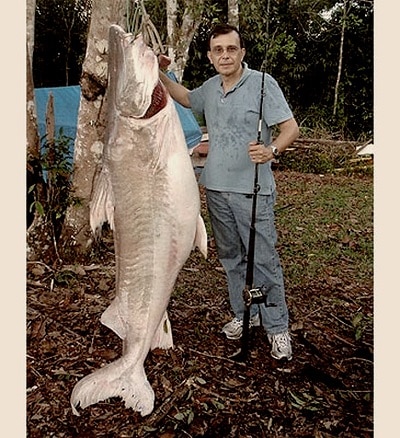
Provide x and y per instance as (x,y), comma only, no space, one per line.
(251,294)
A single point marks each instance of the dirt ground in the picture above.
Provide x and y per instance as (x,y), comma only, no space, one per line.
(325,391)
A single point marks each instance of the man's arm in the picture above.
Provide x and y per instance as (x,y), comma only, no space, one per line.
(177,91)
(288,132)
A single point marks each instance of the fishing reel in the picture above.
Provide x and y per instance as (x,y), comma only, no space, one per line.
(256,295)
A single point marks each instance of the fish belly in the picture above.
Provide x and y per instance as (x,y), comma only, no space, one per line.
(155,218)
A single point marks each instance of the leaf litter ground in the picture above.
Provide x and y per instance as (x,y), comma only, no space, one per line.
(325,391)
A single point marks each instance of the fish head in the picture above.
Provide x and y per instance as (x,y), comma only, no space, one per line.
(134,72)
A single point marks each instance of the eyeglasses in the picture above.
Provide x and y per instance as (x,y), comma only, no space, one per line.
(219,50)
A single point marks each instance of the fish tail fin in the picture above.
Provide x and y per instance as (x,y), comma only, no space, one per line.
(163,336)
(115,380)
(200,239)
(102,201)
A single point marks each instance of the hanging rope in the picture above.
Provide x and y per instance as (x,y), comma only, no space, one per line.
(138,21)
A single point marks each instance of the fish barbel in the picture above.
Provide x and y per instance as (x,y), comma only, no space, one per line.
(148,193)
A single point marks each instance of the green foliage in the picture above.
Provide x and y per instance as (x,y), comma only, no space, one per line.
(61,29)
(308,162)
(323,159)
(360,322)
(305,401)
(284,46)
(316,68)
(198,68)
(56,163)
(66,278)
(301,41)
(38,206)
(186,416)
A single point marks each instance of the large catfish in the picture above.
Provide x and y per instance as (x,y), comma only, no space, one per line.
(148,193)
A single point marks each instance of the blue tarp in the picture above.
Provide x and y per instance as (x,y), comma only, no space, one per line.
(66,107)
(190,126)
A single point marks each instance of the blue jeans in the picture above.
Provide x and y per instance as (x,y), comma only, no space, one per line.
(230,215)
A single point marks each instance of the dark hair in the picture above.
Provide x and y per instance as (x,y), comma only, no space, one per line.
(222,29)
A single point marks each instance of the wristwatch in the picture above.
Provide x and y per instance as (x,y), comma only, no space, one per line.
(275,151)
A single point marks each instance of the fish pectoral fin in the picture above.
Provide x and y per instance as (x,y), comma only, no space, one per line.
(200,239)
(163,335)
(102,201)
(112,319)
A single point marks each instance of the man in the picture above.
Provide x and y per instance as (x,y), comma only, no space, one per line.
(230,102)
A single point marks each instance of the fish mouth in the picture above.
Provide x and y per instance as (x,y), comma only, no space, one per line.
(158,101)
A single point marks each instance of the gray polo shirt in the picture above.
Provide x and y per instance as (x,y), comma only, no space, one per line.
(232,122)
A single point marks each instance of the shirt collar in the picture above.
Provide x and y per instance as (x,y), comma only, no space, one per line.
(245,75)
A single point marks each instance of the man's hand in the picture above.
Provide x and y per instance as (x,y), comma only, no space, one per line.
(163,61)
(259,153)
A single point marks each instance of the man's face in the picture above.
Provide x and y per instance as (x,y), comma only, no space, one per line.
(225,53)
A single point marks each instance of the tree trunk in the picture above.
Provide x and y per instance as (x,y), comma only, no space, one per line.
(31,119)
(76,237)
(233,13)
(30,26)
(180,38)
(32,140)
(340,63)
(38,237)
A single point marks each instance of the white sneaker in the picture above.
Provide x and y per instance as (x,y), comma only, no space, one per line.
(281,345)
(234,329)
